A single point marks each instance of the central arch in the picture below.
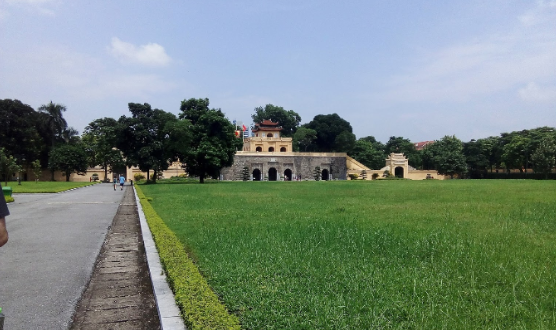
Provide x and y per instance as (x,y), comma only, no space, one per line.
(398,172)
(272,174)
(325,176)
(256,175)
(288,175)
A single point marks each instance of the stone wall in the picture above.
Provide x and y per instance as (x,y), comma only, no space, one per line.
(301,165)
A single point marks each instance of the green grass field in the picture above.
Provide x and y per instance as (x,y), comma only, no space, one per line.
(44,186)
(456,254)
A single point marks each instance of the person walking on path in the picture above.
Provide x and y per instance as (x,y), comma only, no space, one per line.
(3,213)
(115,183)
(122,181)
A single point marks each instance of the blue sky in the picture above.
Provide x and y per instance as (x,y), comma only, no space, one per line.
(417,69)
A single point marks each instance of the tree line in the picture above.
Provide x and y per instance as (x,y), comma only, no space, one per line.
(151,139)
(203,139)
(520,150)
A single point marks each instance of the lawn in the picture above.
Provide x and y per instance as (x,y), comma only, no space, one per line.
(458,254)
(44,186)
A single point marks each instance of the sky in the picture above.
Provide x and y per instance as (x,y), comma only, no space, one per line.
(416,69)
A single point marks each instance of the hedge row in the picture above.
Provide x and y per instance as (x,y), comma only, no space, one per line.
(199,305)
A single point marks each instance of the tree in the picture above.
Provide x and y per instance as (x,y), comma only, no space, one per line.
(367,154)
(544,157)
(317,173)
(18,129)
(328,127)
(448,156)
(344,142)
(68,158)
(288,119)
(514,152)
(476,157)
(213,143)
(245,173)
(8,165)
(37,169)
(143,138)
(303,138)
(100,138)
(53,121)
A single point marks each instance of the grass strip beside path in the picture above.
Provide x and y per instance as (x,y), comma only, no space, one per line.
(45,186)
(199,305)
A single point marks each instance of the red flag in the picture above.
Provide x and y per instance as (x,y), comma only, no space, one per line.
(244,128)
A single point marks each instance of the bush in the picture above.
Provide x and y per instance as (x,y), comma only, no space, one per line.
(374,176)
(353,176)
(138,177)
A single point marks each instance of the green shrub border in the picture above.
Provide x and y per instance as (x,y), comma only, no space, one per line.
(199,305)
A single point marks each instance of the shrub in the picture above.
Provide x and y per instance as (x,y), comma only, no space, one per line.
(316,173)
(353,176)
(138,176)
(374,176)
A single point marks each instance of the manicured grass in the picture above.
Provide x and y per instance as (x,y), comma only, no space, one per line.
(44,186)
(458,254)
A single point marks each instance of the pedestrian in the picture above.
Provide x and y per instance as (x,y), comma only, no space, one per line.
(115,183)
(3,213)
(122,181)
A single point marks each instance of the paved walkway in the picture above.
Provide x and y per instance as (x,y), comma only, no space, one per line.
(120,294)
(54,242)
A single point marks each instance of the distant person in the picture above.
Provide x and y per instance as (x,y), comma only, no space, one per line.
(3,213)
(115,183)
(122,181)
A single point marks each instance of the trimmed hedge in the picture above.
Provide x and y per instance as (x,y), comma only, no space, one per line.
(199,305)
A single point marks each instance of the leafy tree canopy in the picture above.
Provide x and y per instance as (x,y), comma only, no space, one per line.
(213,142)
(368,154)
(18,130)
(328,128)
(142,138)
(68,158)
(303,138)
(288,119)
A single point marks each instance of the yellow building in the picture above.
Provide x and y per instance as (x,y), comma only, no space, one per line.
(267,138)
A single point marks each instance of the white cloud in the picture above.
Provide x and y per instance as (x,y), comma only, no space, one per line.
(487,65)
(151,54)
(535,93)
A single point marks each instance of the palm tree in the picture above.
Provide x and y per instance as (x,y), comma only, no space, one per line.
(55,123)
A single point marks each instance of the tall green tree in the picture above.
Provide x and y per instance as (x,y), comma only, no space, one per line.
(99,138)
(53,121)
(68,158)
(328,128)
(476,157)
(288,119)
(515,151)
(213,142)
(8,165)
(448,156)
(367,154)
(544,157)
(18,130)
(142,138)
(303,138)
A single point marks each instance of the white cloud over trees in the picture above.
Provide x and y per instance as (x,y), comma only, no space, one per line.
(151,54)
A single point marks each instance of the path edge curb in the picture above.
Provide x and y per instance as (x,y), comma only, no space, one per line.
(168,311)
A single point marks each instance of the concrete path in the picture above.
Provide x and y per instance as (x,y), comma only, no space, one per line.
(120,293)
(54,242)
